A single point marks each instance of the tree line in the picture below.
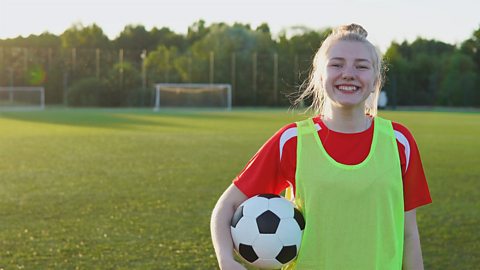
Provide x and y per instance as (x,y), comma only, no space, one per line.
(83,67)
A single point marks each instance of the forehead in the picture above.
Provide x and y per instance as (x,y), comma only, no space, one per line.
(349,50)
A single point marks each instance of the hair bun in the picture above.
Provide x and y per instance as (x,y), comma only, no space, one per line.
(353,28)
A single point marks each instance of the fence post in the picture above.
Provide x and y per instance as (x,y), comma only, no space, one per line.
(25,60)
(232,74)
(12,82)
(295,70)
(49,59)
(254,79)
(394,88)
(2,67)
(167,65)
(144,70)
(212,66)
(65,88)
(120,60)
(190,62)
(143,56)
(74,59)
(275,79)
(97,63)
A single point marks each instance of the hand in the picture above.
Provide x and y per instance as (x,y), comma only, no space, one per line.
(232,265)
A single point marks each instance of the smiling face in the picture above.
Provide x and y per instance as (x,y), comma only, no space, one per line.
(348,77)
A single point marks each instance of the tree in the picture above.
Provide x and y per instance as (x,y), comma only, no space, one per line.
(135,37)
(79,44)
(196,32)
(414,75)
(296,47)
(165,36)
(471,47)
(79,36)
(124,81)
(223,42)
(159,65)
(423,72)
(459,80)
(397,86)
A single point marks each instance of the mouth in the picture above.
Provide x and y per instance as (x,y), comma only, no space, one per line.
(347,89)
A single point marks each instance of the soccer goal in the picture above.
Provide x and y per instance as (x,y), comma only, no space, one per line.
(193,95)
(22,98)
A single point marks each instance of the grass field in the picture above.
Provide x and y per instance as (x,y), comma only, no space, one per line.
(133,189)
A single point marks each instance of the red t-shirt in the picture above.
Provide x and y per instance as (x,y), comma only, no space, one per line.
(272,168)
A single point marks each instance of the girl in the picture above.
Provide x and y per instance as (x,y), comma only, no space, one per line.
(356,177)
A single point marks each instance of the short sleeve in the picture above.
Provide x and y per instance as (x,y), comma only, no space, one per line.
(415,187)
(263,173)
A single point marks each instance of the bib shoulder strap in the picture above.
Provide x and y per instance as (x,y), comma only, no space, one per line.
(384,125)
(305,127)
(381,121)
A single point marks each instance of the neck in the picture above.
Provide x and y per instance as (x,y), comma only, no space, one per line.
(347,120)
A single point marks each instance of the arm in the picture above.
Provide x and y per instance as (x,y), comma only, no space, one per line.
(220,227)
(412,252)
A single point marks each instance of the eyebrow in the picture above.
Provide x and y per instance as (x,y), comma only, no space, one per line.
(356,60)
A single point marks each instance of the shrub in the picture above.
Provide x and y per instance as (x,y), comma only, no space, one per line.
(86,92)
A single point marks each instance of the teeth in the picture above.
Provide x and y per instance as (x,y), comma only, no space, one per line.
(347,88)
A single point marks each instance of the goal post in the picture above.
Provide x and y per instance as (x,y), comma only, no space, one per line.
(193,95)
(22,98)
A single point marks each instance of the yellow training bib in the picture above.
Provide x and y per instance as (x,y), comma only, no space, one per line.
(354,213)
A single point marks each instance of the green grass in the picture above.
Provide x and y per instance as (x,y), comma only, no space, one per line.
(133,189)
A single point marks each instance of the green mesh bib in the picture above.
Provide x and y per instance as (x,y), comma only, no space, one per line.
(354,213)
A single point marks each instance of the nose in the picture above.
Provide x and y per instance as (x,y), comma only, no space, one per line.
(348,73)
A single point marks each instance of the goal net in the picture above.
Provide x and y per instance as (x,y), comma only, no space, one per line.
(22,98)
(188,95)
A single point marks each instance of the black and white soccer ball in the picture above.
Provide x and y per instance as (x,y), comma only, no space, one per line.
(267,231)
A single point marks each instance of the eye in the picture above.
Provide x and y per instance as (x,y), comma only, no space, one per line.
(337,65)
(363,67)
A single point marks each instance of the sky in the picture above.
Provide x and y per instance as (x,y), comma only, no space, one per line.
(385,20)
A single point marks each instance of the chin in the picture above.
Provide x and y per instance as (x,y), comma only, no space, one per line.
(350,104)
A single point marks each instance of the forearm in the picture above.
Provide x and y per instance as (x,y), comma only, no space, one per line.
(412,258)
(220,227)
(412,251)
(220,230)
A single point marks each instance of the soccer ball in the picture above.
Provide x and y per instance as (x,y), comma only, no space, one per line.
(267,231)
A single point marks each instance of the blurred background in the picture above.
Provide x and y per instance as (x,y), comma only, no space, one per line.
(111,53)
(96,179)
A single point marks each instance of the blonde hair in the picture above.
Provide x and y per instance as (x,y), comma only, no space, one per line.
(313,86)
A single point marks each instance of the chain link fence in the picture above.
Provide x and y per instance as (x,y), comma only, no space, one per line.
(126,77)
